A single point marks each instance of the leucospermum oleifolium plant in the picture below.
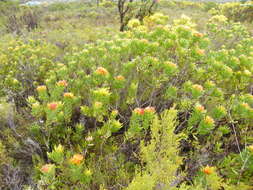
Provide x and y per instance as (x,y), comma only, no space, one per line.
(112,90)
(66,168)
(150,67)
(140,121)
(21,61)
(237,11)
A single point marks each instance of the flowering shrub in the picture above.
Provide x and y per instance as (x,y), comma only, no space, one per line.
(23,67)
(70,168)
(91,112)
(238,11)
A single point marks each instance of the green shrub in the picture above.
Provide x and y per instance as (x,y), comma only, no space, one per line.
(24,65)
(98,114)
(160,157)
(16,19)
(238,11)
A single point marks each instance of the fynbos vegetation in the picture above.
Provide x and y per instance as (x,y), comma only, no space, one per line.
(126,95)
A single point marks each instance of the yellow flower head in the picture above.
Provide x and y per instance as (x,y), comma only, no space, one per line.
(171,64)
(250,148)
(35,105)
(68,95)
(209,120)
(60,64)
(144,41)
(115,112)
(41,88)
(88,172)
(197,87)
(59,148)
(247,72)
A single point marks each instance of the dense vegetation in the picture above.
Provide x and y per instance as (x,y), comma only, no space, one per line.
(165,103)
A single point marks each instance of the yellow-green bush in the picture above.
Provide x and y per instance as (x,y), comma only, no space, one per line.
(102,118)
(160,157)
(122,75)
(238,11)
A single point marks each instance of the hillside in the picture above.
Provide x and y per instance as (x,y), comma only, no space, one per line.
(126,95)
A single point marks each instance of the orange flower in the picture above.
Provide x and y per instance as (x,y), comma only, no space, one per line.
(76,159)
(52,106)
(120,77)
(245,105)
(149,109)
(101,71)
(46,168)
(198,34)
(200,108)
(201,51)
(139,111)
(68,95)
(41,88)
(62,83)
(208,170)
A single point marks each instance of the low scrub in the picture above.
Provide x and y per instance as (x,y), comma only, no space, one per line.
(159,106)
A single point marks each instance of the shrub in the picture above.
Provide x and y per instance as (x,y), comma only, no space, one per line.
(160,157)
(23,18)
(23,66)
(238,11)
(99,115)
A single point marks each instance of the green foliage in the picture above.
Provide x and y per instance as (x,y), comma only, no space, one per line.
(160,156)
(238,11)
(25,60)
(17,19)
(147,108)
